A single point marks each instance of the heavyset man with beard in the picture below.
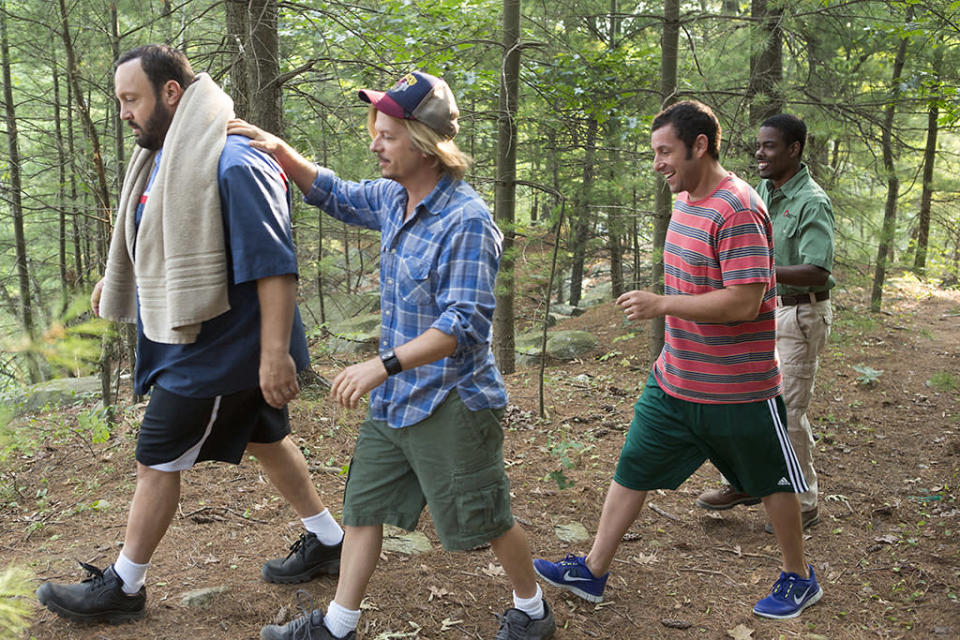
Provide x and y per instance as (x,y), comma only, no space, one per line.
(219,335)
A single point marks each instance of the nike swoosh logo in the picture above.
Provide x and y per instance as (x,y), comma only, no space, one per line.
(798,599)
(569,577)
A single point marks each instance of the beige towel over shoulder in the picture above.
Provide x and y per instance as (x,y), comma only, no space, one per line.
(180,268)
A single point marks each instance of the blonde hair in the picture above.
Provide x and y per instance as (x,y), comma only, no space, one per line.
(451,160)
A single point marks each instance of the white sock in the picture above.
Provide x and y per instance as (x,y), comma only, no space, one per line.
(323,526)
(532,606)
(132,574)
(339,620)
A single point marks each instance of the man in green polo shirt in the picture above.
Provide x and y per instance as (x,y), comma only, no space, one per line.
(803,250)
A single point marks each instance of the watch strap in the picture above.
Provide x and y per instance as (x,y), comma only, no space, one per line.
(391,363)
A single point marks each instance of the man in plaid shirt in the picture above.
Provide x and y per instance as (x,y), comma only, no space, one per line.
(432,435)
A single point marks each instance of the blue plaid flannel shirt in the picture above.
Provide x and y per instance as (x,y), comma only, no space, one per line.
(437,270)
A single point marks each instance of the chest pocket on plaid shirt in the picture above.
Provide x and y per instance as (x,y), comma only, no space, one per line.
(413,280)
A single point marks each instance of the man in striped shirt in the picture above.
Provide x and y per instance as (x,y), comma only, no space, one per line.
(715,391)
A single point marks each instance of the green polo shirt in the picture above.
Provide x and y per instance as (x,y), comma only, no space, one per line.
(802,226)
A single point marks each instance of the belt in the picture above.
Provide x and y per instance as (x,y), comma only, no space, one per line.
(803,298)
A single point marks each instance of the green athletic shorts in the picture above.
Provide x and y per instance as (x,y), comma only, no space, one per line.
(452,461)
(670,438)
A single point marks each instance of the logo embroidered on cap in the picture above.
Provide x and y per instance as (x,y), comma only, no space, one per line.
(406,82)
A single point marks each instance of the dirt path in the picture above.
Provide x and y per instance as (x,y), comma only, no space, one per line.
(886,550)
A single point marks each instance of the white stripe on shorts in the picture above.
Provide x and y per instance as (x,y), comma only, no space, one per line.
(797,481)
(189,457)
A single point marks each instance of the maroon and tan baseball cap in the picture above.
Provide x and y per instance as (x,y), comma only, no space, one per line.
(418,96)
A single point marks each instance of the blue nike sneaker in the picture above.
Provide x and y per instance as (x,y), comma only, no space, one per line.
(572,574)
(790,595)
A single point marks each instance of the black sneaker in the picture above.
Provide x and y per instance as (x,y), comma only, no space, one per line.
(99,598)
(308,558)
(517,625)
(309,626)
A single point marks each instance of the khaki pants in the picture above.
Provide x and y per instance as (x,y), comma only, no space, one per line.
(802,331)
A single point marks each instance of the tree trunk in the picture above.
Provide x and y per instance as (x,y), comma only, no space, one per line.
(236,11)
(766,62)
(506,186)
(664,200)
(78,262)
(117,122)
(16,203)
(614,218)
(929,158)
(263,66)
(101,194)
(893,182)
(581,230)
(65,280)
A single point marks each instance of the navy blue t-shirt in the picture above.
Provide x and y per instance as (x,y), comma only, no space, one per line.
(255,205)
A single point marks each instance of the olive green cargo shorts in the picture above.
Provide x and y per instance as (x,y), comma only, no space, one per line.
(451,461)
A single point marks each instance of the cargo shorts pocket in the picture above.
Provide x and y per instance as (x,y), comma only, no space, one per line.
(483,499)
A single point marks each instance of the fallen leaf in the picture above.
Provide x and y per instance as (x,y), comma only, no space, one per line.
(645,559)
(448,624)
(888,539)
(740,632)
(437,592)
(493,570)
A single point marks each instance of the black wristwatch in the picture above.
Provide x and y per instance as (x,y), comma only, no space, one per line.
(390,362)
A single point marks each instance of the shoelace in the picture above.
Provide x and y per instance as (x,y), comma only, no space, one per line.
(570,561)
(784,586)
(94,574)
(305,621)
(298,544)
(513,626)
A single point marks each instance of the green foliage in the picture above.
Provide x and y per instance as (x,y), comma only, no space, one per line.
(944,381)
(579,65)
(868,375)
(97,423)
(563,482)
(15,594)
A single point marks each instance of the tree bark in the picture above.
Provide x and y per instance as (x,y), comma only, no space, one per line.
(505,202)
(766,62)
(669,40)
(889,228)
(584,222)
(236,12)
(16,202)
(101,192)
(614,219)
(263,66)
(65,281)
(929,159)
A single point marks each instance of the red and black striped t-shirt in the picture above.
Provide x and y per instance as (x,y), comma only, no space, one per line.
(725,239)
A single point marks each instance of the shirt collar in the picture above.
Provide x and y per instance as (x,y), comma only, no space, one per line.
(793,186)
(439,198)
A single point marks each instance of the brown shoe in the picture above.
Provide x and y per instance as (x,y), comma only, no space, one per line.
(807,520)
(726,497)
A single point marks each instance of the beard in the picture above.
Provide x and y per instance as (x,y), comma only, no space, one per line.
(152,134)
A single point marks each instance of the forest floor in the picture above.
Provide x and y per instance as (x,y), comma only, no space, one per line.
(886,552)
